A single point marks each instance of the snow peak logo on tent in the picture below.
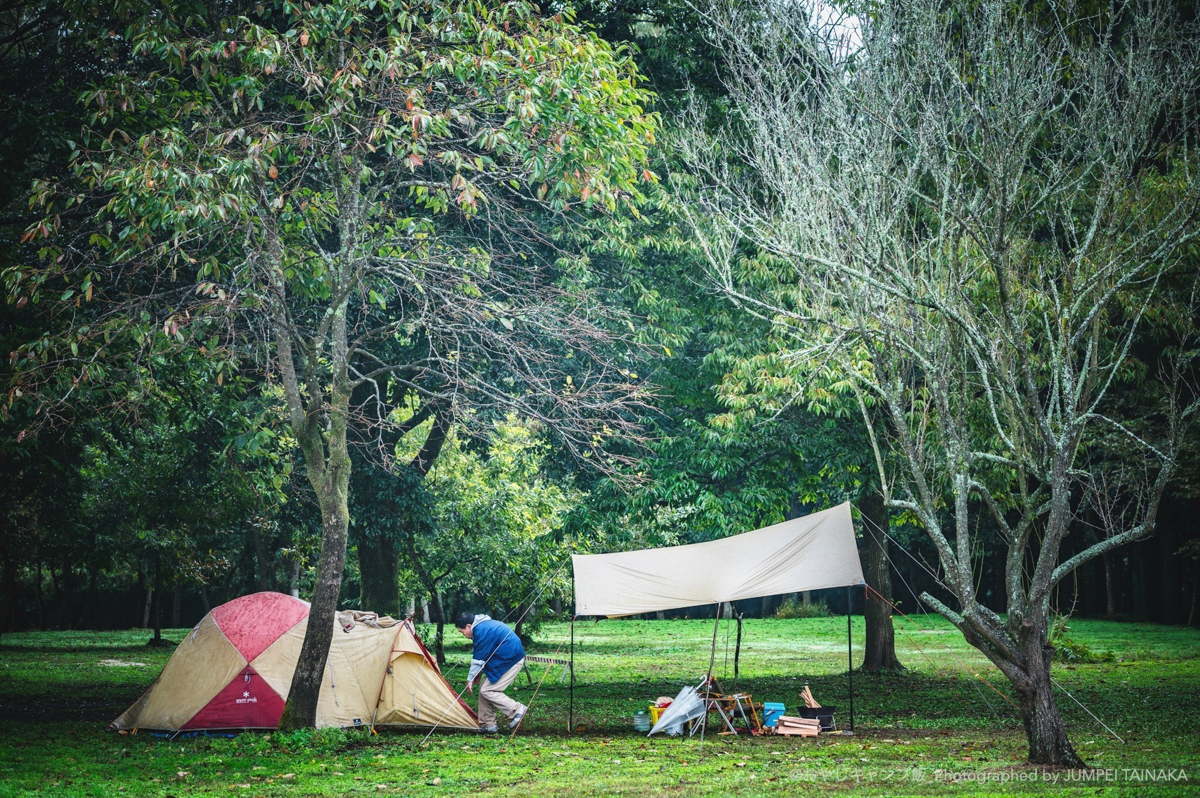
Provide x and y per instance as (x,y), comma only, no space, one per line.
(246,698)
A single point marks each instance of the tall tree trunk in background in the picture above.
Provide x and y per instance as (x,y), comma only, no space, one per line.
(66,617)
(1194,614)
(157,604)
(37,583)
(1169,593)
(1110,586)
(881,636)
(85,613)
(263,570)
(177,607)
(144,581)
(439,617)
(295,581)
(8,577)
(379,568)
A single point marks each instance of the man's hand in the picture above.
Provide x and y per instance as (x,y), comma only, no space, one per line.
(471,688)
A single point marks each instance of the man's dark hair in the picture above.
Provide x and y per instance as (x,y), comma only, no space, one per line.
(464,620)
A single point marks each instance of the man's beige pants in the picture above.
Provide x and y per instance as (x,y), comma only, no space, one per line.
(492,697)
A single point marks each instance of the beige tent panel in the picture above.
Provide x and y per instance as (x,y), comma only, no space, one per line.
(353,675)
(416,694)
(203,664)
(277,662)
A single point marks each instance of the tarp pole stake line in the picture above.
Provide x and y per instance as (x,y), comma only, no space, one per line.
(571,716)
(849,657)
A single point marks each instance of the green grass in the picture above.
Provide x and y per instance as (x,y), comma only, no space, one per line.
(931,730)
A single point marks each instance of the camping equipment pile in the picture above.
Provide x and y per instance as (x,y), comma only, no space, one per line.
(738,713)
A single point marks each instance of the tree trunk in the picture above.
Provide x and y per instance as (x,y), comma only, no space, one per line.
(144,580)
(9,617)
(68,593)
(880,652)
(1044,728)
(177,607)
(85,613)
(1194,614)
(1110,585)
(295,583)
(439,616)
(301,708)
(37,582)
(263,570)
(157,604)
(379,568)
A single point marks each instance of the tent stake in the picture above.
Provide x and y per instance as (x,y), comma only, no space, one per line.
(571,720)
(849,658)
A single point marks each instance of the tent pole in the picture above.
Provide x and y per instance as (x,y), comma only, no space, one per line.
(571,720)
(712,658)
(849,658)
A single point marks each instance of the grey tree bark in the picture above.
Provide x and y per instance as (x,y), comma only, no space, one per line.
(880,653)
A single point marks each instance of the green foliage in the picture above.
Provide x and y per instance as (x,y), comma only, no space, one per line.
(1068,649)
(498,523)
(794,608)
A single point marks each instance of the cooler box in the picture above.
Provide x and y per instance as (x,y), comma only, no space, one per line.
(771,713)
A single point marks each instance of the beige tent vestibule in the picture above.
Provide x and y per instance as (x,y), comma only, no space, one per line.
(234,671)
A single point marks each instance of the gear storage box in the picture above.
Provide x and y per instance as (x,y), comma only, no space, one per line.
(771,712)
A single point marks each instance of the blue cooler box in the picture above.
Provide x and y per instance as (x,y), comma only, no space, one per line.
(771,713)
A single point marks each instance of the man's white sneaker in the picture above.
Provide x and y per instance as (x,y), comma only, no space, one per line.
(516,719)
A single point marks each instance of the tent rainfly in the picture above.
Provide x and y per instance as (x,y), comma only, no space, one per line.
(809,553)
(234,670)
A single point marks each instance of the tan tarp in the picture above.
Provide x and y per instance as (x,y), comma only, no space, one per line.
(809,553)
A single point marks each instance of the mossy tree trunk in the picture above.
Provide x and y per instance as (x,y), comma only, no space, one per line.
(880,652)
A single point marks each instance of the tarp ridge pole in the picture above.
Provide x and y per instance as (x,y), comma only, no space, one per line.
(850,656)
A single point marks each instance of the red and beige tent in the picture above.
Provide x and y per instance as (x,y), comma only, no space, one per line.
(234,670)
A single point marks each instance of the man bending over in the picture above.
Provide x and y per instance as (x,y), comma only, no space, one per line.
(499,655)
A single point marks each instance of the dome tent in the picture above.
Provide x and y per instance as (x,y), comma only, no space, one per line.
(234,670)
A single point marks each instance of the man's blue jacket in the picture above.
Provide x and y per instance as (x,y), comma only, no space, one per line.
(497,646)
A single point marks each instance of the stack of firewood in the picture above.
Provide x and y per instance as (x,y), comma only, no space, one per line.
(809,701)
(798,727)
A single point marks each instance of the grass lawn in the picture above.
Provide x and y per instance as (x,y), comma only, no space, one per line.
(930,730)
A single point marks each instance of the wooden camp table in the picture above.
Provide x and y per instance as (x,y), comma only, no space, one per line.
(732,708)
